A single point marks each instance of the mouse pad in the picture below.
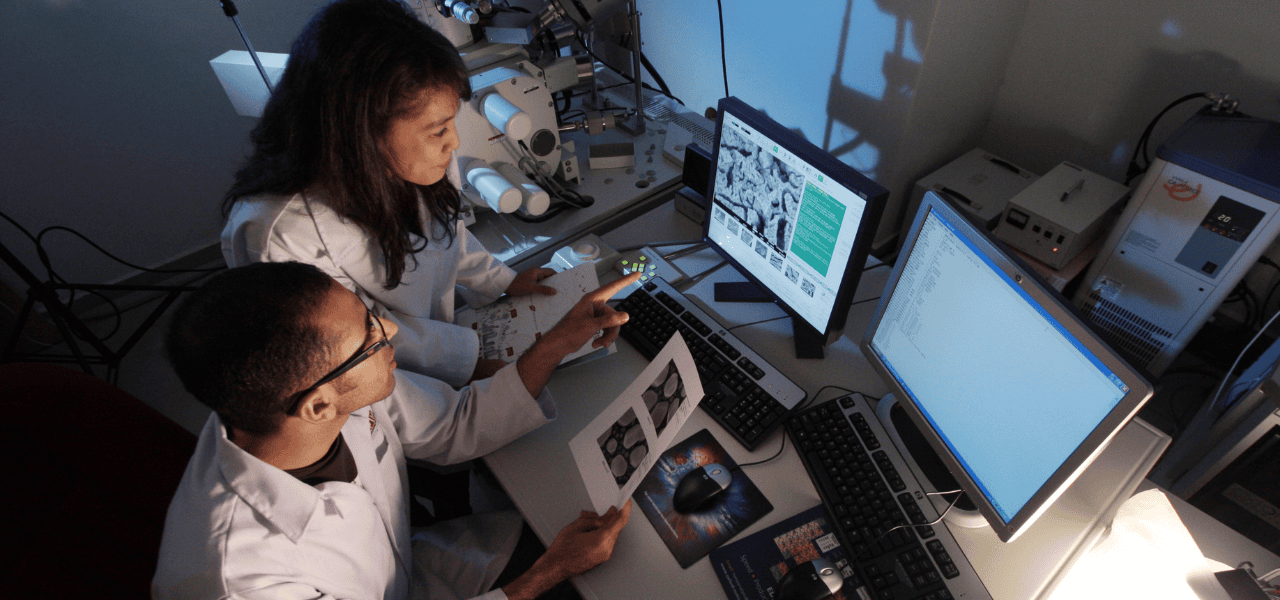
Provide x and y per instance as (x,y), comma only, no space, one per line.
(692,536)
(750,568)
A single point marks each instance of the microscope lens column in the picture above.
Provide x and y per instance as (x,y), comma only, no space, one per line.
(534,200)
(506,117)
(495,190)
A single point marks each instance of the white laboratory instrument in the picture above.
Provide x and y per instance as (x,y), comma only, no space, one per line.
(1060,214)
(978,183)
(511,117)
(588,248)
(1200,218)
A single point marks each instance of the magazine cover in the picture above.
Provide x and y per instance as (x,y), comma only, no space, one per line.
(691,536)
(750,568)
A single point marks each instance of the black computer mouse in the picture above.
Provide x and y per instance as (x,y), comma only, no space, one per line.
(813,580)
(697,488)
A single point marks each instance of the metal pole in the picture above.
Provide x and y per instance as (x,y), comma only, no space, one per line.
(229,9)
(595,83)
(252,54)
(635,66)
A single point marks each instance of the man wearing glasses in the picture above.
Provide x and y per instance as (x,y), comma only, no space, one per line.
(297,488)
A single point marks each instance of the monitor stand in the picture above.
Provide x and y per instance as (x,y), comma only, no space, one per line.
(809,342)
(908,438)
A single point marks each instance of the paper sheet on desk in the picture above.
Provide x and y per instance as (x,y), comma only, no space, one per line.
(510,326)
(1148,554)
(619,447)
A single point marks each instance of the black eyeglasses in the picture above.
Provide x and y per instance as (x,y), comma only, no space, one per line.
(348,364)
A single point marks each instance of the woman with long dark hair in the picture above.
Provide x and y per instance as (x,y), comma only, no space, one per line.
(348,173)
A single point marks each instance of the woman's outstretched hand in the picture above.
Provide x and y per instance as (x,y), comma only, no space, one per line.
(527,283)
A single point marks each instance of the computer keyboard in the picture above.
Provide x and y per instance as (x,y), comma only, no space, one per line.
(867,490)
(743,392)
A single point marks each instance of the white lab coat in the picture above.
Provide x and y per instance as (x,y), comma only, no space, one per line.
(302,228)
(240,528)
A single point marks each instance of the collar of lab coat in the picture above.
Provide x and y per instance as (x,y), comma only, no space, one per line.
(275,495)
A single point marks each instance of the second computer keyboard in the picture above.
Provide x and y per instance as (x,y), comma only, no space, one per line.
(869,492)
(743,392)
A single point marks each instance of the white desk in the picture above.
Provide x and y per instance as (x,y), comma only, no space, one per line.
(539,472)
(1216,540)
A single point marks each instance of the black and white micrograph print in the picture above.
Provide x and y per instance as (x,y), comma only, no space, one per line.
(761,190)
(793,274)
(718,214)
(746,236)
(776,261)
(624,447)
(733,226)
(664,397)
(807,287)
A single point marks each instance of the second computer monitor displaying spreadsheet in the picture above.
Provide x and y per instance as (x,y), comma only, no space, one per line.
(1015,394)
(792,218)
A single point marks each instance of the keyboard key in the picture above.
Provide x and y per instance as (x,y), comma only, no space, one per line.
(949,570)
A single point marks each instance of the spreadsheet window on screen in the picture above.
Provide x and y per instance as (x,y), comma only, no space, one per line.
(1006,388)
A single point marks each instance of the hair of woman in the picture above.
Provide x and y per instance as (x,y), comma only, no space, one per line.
(356,66)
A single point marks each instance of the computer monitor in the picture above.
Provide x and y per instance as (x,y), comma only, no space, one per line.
(794,220)
(1182,469)
(1006,383)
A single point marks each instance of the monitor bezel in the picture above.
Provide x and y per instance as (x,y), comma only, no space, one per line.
(1140,389)
(873,193)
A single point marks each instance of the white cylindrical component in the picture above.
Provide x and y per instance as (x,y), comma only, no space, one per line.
(463,11)
(467,15)
(533,199)
(506,117)
(586,250)
(493,188)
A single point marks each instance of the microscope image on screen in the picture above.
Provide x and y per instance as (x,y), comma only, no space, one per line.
(762,191)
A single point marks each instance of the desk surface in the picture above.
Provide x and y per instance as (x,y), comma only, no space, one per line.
(539,472)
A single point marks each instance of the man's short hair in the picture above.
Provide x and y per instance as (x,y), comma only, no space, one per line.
(248,340)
